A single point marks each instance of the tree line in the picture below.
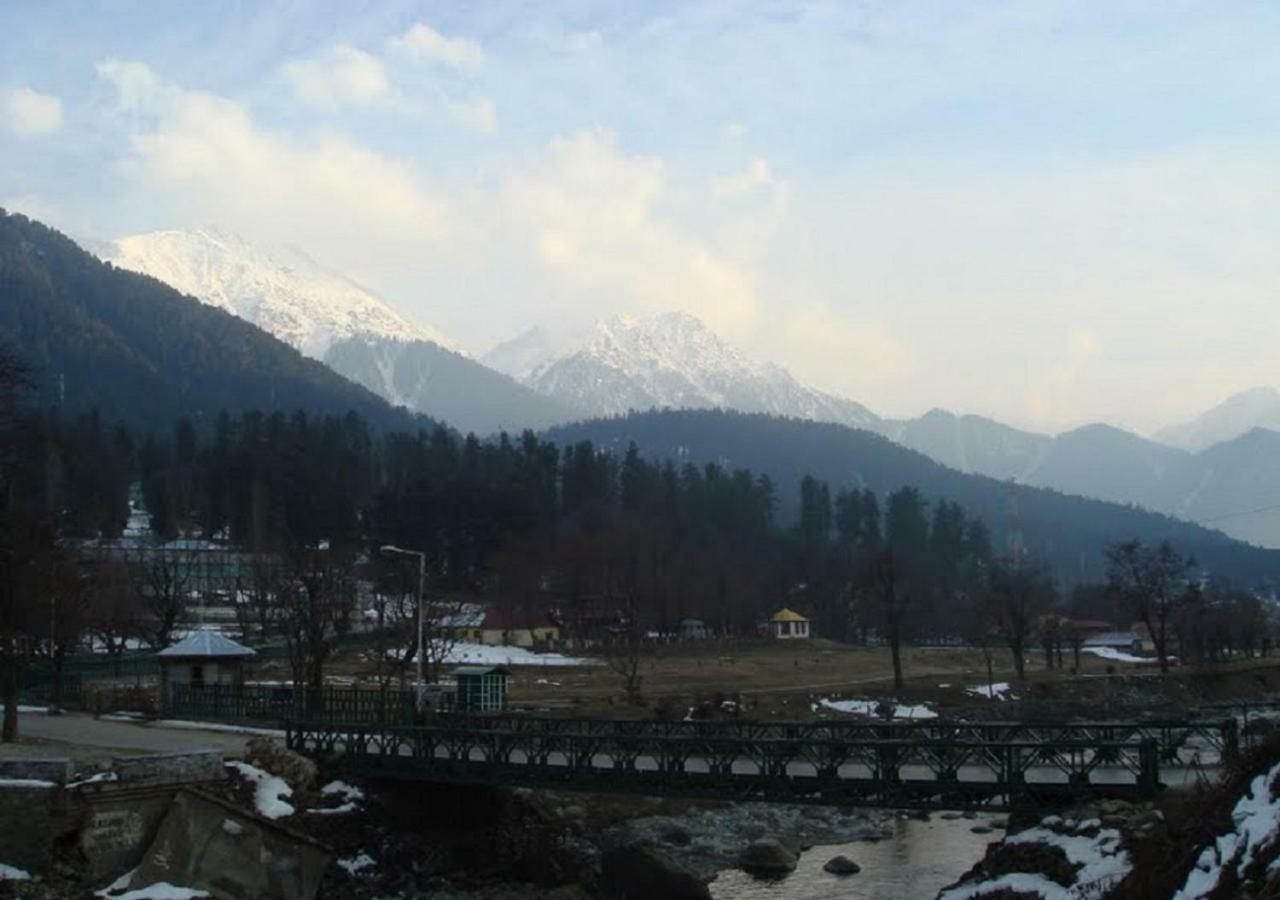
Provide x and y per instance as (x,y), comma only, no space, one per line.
(621,544)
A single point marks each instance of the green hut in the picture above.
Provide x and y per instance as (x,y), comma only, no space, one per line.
(482,688)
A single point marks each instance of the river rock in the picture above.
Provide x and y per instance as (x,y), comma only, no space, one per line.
(841,865)
(642,872)
(981,829)
(767,857)
(298,772)
(677,836)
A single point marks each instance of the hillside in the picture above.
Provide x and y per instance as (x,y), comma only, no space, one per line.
(141,352)
(1070,532)
(423,376)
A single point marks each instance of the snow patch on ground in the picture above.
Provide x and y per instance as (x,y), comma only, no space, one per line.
(217,726)
(33,710)
(1257,826)
(350,795)
(161,890)
(13,873)
(1115,655)
(1000,690)
(94,779)
(870,707)
(1100,861)
(485,655)
(356,864)
(271,791)
(26,783)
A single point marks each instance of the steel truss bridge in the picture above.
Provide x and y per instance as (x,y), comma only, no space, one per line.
(932,764)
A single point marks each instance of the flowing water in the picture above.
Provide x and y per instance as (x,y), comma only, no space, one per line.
(914,864)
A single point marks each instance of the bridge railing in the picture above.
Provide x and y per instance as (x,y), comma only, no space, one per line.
(879,772)
(1177,740)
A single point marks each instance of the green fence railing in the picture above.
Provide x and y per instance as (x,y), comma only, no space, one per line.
(269,703)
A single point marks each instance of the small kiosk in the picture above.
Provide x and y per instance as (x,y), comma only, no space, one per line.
(481,688)
(203,659)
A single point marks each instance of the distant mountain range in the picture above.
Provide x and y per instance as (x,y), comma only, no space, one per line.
(673,361)
(1068,531)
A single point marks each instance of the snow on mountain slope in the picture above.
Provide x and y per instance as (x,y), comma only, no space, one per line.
(1256,408)
(671,360)
(281,289)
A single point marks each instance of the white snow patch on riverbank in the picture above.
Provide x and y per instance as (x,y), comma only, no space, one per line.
(870,707)
(1257,826)
(1000,690)
(357,864)
(270,793)
(161,890)
(1102,864)
(350,794)
(13,873)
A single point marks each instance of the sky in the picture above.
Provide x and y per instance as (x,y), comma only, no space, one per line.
(1045,212)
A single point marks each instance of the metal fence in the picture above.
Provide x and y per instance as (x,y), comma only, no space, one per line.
(268,703)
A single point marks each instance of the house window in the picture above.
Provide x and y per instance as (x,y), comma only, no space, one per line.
(197,676)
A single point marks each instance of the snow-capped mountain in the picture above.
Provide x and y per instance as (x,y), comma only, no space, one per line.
(1256,408)
(280,289)
(671,360)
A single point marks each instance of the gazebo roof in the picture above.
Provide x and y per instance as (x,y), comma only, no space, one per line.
(207,644)
(788,615)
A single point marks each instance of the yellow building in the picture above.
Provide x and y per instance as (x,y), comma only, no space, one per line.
(514,629)
(787,624)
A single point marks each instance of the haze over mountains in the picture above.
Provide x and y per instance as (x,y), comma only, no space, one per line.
(1217,468)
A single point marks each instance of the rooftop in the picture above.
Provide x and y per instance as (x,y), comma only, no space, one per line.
(788,615)
(206,643)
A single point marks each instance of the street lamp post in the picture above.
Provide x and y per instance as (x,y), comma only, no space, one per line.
(390,550)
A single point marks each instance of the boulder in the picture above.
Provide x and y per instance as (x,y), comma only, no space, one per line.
(298,772)
(677,836)
(841,865)
(642,872)
(767,857)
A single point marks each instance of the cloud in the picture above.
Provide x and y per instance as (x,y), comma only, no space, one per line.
(31,113)
(840,349)
(137,86)
(342,76)
(423,42)
(756,175)
(589,216)
(211,161)
(479,113)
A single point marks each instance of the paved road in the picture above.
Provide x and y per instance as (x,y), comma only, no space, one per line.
(84,730)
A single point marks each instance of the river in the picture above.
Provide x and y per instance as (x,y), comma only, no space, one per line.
(920,859)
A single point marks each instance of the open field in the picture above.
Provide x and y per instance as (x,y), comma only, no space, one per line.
(786,680)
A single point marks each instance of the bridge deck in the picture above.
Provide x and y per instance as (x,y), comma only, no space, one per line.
(897,772)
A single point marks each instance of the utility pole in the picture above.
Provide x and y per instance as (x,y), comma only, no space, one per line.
(390,550)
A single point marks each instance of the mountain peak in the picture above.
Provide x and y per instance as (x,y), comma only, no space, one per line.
(280,289)
(668,360)
(1257,407)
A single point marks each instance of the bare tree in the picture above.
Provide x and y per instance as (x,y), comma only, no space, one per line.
(1015,595)
(1150,583)
(162,578)
(317,599)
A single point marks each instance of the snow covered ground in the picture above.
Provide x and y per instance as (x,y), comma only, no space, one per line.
(1115,655)
(1257,827)
(12,873)
(869,708)
(1000,690)
(1100,860)
(484,655)
(350,795)
(269,796)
